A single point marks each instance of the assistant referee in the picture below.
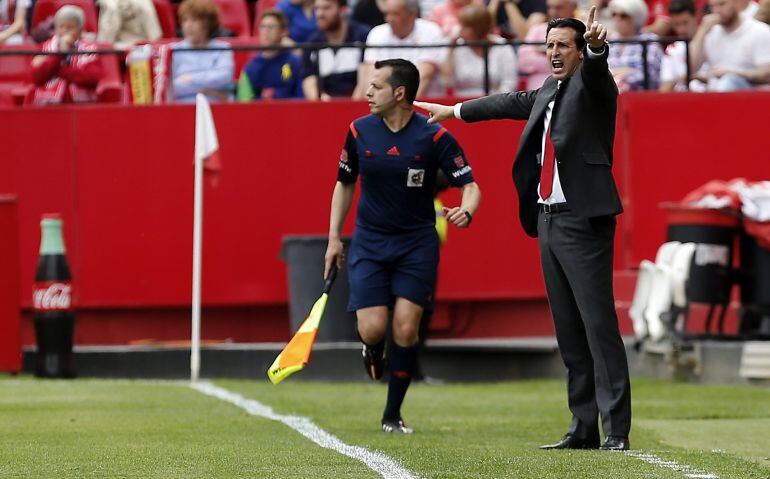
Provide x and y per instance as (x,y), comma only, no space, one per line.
(394,253)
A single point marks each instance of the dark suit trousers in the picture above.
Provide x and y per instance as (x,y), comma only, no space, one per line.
(577,255)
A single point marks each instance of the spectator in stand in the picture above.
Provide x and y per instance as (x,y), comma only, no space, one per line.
(673,67)
(403,27)
(626,60)
(515,17)
(369,12)
(532,59)
(66,78)
(207,72)
(737,50)
(301,17)
(126,22)
(763,13)
(446,15)
(12,23)
(272,74)
(337,68)
(464,67)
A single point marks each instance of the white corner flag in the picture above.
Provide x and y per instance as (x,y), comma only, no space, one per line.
(206,155)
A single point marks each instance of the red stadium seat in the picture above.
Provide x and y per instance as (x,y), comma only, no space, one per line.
(14,74)
(47,8)
(110,87)
(262,5)
(234,15)
(241,57)
(166,17)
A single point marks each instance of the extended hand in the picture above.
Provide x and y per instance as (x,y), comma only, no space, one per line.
(456,216)
(437,113)
(596,33)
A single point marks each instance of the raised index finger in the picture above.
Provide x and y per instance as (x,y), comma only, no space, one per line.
(591,15)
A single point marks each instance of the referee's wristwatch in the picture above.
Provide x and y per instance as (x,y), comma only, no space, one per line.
(469,216)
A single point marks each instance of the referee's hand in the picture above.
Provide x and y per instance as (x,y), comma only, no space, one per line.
(457,216)
(335,253)
(437,113)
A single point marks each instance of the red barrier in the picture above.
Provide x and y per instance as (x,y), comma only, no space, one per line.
(122,177)
(10,339)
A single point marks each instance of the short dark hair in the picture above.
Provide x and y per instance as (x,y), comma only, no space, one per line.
(402,73)
(573,23)
(681,6)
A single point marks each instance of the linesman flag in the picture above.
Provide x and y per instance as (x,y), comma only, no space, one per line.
(296,354)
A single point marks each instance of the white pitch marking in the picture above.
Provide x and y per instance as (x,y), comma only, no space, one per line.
(689,471)
(376,461)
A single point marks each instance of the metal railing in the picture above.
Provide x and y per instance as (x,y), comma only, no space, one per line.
(485,45)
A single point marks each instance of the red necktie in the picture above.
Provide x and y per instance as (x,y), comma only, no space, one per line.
(549,158)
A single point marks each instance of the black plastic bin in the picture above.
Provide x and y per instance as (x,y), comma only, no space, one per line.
(714,233)
(304,256)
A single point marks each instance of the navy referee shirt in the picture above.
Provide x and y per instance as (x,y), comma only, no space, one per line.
(398,171)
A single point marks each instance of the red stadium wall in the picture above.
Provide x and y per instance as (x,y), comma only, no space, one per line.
(122,177)
(10,335)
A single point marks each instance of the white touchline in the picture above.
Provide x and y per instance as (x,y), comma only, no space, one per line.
(689,471)
(376,461)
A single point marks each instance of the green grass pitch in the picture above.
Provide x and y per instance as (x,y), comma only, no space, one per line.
(113,428)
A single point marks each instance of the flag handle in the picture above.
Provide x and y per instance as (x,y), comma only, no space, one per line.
(330,280)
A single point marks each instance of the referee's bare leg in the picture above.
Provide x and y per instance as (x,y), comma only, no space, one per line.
(372,325)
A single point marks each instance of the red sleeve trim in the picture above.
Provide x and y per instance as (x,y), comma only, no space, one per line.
(439,134)
(353,130)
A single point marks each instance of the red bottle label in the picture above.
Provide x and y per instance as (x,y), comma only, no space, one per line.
(52,296)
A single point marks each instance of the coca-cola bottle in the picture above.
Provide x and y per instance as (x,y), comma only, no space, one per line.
(52,303)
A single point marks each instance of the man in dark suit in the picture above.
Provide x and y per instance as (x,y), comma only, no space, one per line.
(568,198)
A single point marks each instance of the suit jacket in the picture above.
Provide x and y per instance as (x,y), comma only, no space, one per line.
(582,131)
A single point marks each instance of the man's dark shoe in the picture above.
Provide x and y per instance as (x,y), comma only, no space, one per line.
(373,360)
(615,443)
(396,426)
(573,442)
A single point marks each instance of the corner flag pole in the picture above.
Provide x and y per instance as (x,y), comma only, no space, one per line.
(206,151)
(195,346)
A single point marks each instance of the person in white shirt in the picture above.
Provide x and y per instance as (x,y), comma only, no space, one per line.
(673,67)
(736,49)
(464,67)
(403,27)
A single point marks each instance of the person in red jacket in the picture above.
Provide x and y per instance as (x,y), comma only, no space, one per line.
(66,78)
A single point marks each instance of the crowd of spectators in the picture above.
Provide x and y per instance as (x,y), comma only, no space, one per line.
(461,47)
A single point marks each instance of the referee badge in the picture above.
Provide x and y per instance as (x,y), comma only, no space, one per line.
(415,178)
